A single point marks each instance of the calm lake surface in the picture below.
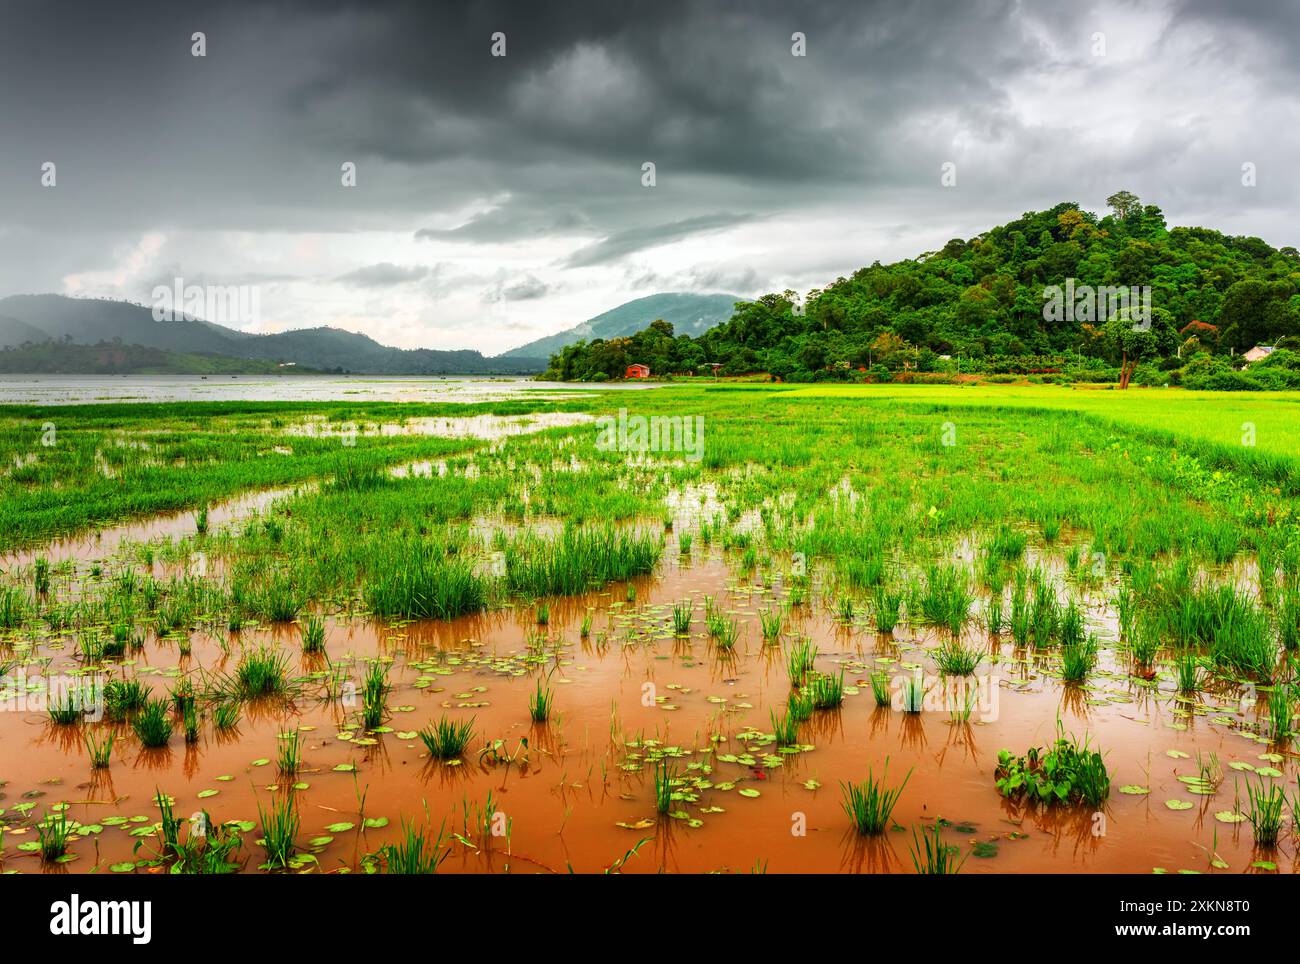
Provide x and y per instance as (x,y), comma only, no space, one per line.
(82,389)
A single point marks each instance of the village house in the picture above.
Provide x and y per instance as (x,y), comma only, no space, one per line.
(638,371)
(1258,352)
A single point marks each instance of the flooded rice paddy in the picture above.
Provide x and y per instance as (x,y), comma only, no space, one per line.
(577,792)
(540,657)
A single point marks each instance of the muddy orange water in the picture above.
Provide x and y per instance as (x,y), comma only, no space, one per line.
(584,774)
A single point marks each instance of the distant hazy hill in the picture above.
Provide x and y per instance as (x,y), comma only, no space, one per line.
(690,314)
(115,358)
(15,332)
(36,318)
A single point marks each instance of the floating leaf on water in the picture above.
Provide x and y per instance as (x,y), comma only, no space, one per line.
(1263,864)
(1179,804)
(261,763)
(747,792)
(1228,816)
(204,794)
(344,768)
(122,868)
(340,827)
(1134,790)
(374,823)
(1176,754)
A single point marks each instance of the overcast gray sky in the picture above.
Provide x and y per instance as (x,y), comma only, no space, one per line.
(499,199)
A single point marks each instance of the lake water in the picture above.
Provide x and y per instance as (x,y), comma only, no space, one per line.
(80,389)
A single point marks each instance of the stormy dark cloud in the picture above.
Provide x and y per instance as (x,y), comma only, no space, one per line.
(622,243)
(503,195)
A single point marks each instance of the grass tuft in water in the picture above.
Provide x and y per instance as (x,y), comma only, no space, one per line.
(772,621)
(280,827)
(313,634)
(541,702)
(262,672)
(1264,810)
(226,714)
(954,659)
(447,739)
(682,613)
(800,661)
(870,804)
(827,691)
(1078,658)
(101,751)
(880,688)
(153,724)
(930,855)
(665,779)
(786,728)
(886,606)
(374,695)
(52,836)
(415,852)
(289,753)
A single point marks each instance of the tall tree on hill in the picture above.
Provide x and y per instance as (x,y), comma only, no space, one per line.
(1123,203)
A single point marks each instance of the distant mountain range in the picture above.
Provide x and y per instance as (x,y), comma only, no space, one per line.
(84,321)
(128,339)
(690,314)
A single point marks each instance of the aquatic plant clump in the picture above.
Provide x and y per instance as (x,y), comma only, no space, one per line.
(1064,773)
